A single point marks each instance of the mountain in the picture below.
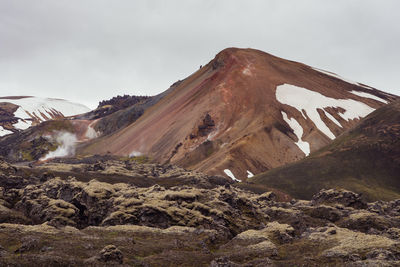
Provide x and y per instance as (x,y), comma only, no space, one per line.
(59,136)
(243,113)
(365,159)
(21,112)
(107,184)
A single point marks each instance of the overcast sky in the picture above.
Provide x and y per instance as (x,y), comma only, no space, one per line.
(90,50)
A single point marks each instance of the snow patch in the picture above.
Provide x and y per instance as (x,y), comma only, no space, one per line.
(230,174)
(343,79)
(4,132)
(249,174)
(298,131)
(23,123)
(366,95)
(67,143)
(309,101)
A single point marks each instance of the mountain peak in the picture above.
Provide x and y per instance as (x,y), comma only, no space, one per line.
(257,124)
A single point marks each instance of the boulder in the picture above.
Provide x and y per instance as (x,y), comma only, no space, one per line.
(342,243)
(111,253)
(365,221)
(341,196)
(28,243)
(223,262)
(326,212)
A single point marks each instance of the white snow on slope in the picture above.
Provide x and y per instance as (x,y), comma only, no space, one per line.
(332,119)
(341,78)
(366,95)
(4,132)
(230,174)
(36,105)
(249,174)
(25,122)
(298,131)
(307,100)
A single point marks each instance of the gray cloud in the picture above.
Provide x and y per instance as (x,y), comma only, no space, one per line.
(91,50)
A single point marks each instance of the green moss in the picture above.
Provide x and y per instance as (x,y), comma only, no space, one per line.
(35,149)
(26,156)
(13,247)
(142,159)
(111,234)
(138,159)
(57,125)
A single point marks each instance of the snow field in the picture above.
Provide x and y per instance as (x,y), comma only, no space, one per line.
(307,102)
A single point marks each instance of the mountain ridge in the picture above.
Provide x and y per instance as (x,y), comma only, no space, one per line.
(237,90)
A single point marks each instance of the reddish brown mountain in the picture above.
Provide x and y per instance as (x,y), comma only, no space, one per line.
(244,112)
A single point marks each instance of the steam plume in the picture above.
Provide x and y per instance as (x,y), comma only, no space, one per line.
(66,148)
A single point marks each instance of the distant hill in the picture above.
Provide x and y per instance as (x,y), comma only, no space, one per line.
(21,112)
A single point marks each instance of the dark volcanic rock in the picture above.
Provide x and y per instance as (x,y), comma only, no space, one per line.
(326,212)
(344,197)
(98,166)
(49,221)
(28,243)
(223,262)
(207,126)
(3,252)
(111,253)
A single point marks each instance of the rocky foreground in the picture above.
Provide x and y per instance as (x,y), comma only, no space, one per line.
(46,220)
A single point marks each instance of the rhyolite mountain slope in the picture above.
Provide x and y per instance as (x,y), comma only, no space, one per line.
(21,112)
(243,113)
(365,159)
